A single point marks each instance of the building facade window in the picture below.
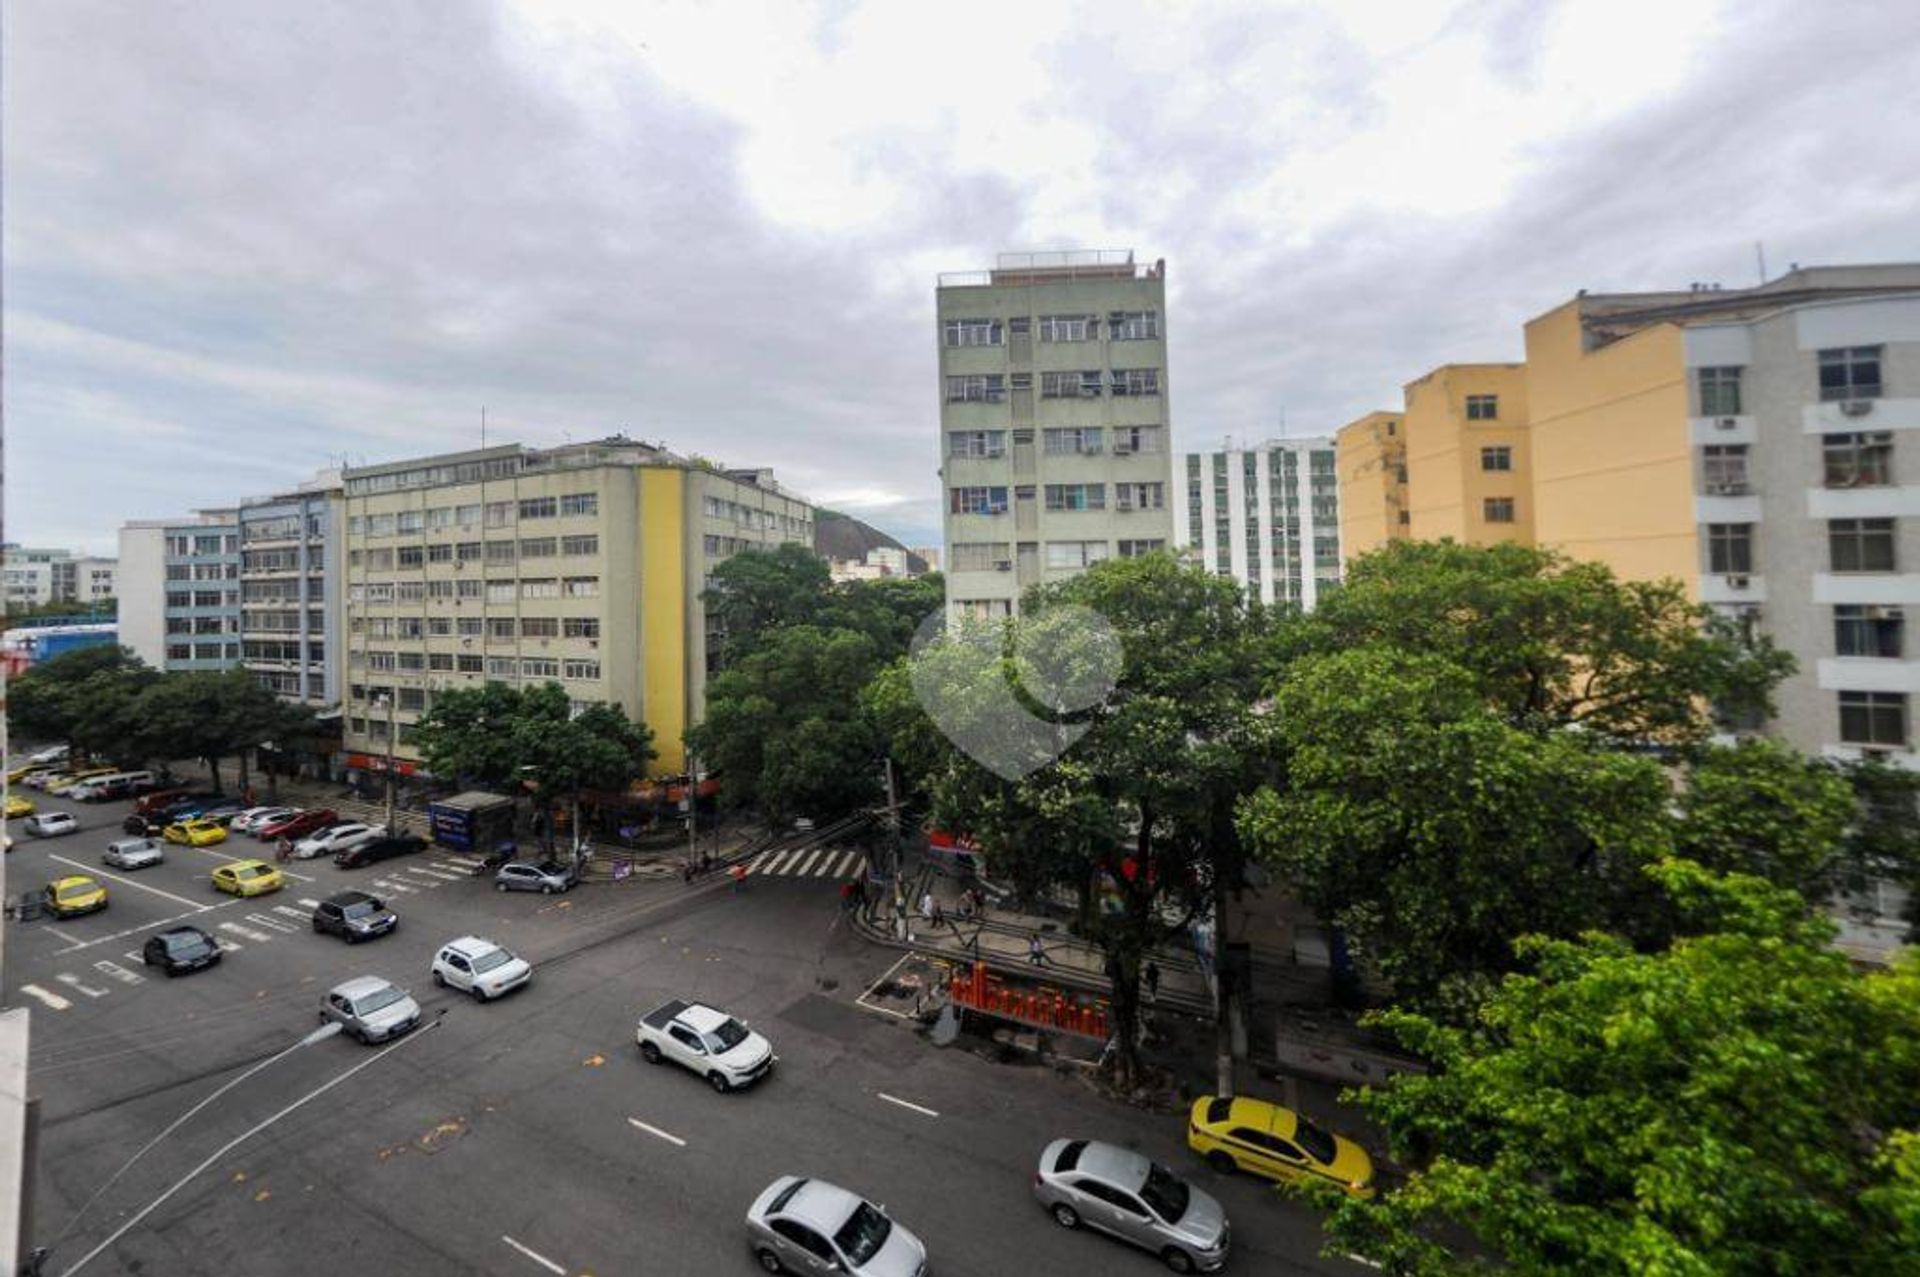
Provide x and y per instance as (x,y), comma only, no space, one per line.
(1076,496)
(1850,372)
(1140,496)
(1496,459)
(1134,325)
(1858,460)
(1876,719)
(1497,509)
(1136,382)
(1723,467)
(539,547)
(972,332)
(576,546)
(977,444)
(1483,407)
(1071,440)
(1075,554)
(977,388)
(978,556)
(977,500)
(539,508)
(575,504)
(1861,545)
(580,627)
(538,627)
(1866,630)
(1068,328)
(1084,384)
(1730,548)
(1719,391)
(1145,439)
(1135,548)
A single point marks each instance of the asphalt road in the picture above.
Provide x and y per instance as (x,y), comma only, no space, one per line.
(525,1136)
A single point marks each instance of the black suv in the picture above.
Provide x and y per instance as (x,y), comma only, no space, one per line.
(180,949)
(152,822)
(355,915)
(385,848)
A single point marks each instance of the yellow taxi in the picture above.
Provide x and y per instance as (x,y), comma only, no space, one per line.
(1240,1134)
(18,807)
(195,833)
(73,895)
(25,770)
(248,878)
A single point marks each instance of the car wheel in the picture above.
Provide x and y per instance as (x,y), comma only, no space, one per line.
(718,1081)
(1222,1161)
(479,994)
(546,889)
(1177,1259)
(499,886)
(439,979)
(769,1262)
(317,927)
(650,1053)
(1065,1215)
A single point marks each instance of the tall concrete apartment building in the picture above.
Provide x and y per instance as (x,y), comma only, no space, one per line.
(179,582)
(581,565)
(35,577)
(1370,459)
(1055,437)
(1268,517)
(290,547)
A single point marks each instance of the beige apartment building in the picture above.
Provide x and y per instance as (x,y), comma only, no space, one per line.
(1054,423)
(1466,440)
(1371,461)
(582,565)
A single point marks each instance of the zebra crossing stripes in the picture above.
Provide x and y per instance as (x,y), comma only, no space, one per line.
(245,933)
(809,862)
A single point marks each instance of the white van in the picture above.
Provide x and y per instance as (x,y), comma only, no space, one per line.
(117,785)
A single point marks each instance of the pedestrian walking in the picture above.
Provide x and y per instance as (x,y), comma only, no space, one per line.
(1036,952)
(926,905)
(1153,981)
(250,801)
(939,914)
(966,905)
(846,897)
(739,875)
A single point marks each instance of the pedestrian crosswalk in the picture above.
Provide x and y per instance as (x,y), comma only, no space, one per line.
(809,862)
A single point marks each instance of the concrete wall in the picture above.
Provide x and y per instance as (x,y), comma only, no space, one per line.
(143,592)
(1447,485)
(1370,456)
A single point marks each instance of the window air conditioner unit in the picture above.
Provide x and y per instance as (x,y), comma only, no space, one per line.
(1123,504)
(1856,407)
(1003,565)
(1736,581)
(1884,614)
(1122,449)
(1726,423)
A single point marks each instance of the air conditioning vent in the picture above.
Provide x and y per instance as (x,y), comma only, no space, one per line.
(1885,614)
(1003,565)
(1726,423)
(1856,407)
(1737,582)
(1122,449)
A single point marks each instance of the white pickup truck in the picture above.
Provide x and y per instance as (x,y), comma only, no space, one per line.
(711,1043)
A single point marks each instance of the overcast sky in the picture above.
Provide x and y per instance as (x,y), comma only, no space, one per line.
(247,240)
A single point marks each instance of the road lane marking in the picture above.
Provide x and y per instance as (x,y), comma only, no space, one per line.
(833,857)
(101,873)
(227,858)
(61,935)
(258,937)
(535,1256)
(806,865)
(654,1130)
(394,888)
(145,926)
(291,912)
(134,955)
(441,874)
(271,923)
(73,982)
(860,868)
(114,971)
(226,945)
(776,862)
(906,1104)
(1361,1259)
(309,904)
(759,862)
(53,1000)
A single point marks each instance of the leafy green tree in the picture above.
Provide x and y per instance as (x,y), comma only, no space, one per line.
(78,698)
(1883,842)
(1551,642)
(1421,823)
(1761,808)
(1742,1102)
(889,610)
(467,734)
(208,716)
(564,753)
(757,591)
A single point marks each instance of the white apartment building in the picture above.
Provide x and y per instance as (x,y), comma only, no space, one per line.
(179,582)
(290,590)
(34,577)
(1268,517)
(1054,421)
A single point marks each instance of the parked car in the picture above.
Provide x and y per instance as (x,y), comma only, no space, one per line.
(548,876)
(74,895)
(179,950)
(711,1043)
(810,1226)
(61,786)
(479,967)
(149,804)
(24,770)
(325,842)
(298,825)
(252,817)
(52,824)
(222,809)
(248,878)
(201,831)
(1117,1191)
(18,807)
(113,785)
(354,915)
(134,853)
(371,1009)
(1235,1133)
(385,847)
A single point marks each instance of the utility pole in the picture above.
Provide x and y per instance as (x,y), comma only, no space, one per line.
(894,854)
(390,699)
(693,809)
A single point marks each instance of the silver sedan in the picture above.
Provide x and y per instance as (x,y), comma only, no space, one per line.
(1117,1191)
(370,1009)
(809,1226)
(134,853)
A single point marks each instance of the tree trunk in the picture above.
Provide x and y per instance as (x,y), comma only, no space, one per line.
(213,772)
(1223,992)
(245,780)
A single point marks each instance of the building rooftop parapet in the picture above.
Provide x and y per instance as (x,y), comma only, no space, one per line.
(1051,267)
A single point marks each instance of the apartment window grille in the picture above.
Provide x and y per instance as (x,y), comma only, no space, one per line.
(977,388)
(1076,496)
(500,629)
(972,332)
(440,552)
(501,592)
(1068,328)
(1072,440)
(502,667)
(574,504)
(1134,325)
(580,627)
(500,552)
(1483,407)
(977,443)
(1861,545)
(1730,548)
(1859,460)
(1136,382)
(1497,509)
(470,626)
(1874,719)
(539,667)
(583,587)
(440,627)
(1863,630)
(1500,458)
(1723,467)
(1850,372)
(440,516)
(1070,385)
(1140,496)
(410,521)
(466,664)
(539,508)
(1719,392)
(574,547)
(539,547)
(580,671)
(540,588)
(1135,548)
(977,556)
(1145,439)
(409,591)
(1020,327)
(1075,554)
(977,500)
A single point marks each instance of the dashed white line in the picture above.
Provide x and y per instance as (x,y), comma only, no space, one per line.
(73,982)
(226,945)
(534,1255)
(440,874)
(53,1000)
(309,904)
(271,923)
(114,971)
(654,1130)
(907,1104)
(1361,1259)
(71,943)
(288,911)
(258,937)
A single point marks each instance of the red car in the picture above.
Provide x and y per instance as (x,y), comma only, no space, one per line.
(298,825)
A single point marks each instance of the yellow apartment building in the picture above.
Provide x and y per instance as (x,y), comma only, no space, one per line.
(1466,428)
(581,565)
(1371,457)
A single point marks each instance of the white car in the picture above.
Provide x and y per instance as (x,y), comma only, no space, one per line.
(334,838)
(708,1042)
(810,1226)
(134,853)
(254,817)
(480,967)
(51,824)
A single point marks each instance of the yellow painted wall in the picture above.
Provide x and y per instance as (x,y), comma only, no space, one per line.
(1446,486)
(663,612)
(1369,453)
(1612,467)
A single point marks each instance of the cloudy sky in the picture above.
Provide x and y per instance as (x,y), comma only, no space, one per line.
(247,240)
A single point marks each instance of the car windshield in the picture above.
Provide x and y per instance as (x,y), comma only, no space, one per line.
(1166,1193)
(77,890)
(361,908)
(864,1233)
(729,1034)
(250,871)
(1318,1144)
(552,867)
(186,942)
(492,958)
(377,1000)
